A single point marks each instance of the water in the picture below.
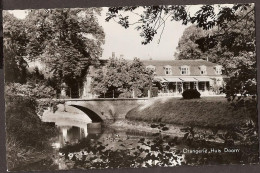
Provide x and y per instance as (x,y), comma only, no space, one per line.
(75,143)
(79,147)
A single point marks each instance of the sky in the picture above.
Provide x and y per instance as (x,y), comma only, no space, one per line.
(127,42)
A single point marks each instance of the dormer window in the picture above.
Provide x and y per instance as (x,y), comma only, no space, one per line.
(151,68)
(203,70)
(218,69)
(185,70)
(168,70)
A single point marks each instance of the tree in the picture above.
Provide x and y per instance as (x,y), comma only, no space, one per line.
(14,49)
(235,50)
(121,77)
(68,41)
(187,47)
(140,77)
(112,80)
(225,36)
(151,19)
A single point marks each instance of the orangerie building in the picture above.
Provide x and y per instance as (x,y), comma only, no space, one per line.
(175,76)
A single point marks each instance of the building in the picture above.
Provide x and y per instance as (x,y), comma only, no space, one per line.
(174,77)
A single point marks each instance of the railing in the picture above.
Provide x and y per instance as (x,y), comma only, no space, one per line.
(169,94)
(101,99)
(203,93)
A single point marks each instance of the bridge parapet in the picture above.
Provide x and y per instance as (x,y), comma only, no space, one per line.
(103,99)
(104,109)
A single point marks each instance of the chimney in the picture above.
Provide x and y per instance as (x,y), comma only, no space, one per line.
(113,55)
(121,56)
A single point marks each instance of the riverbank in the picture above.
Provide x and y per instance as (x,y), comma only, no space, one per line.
(204,112)
(27,136)
(173,130)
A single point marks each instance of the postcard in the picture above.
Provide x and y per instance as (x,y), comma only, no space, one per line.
(130,87)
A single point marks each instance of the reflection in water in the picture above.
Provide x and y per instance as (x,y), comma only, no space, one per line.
(73,134)
(70,133)
(76,141)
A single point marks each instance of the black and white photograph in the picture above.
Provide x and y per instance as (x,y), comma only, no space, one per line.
(130,87)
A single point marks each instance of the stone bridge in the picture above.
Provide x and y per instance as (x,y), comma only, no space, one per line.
(99,110)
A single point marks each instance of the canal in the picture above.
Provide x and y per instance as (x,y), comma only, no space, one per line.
(78,147)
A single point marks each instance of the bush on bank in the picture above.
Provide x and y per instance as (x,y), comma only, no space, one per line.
(25,132)
(23,123)
(191,94)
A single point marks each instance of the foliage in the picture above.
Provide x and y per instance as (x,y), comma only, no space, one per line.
(67,40)
(152,19)
(30,90)
(242,71)
(120,76)
(16,154)
(232,46)
(191,94)
(226,37)
(187,47)
(159,151)
(247,104)
(127,94)
(220,44)
(22,120)
(26,134)
(14,49)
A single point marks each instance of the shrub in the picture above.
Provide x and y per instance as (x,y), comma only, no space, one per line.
(23,123)
(25,132)
(191,94)
(126,94)
(30,90)
(129,94)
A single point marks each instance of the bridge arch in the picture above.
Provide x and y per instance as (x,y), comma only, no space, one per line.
(91,114)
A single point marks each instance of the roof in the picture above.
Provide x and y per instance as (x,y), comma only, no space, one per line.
(177,64)
(197,62)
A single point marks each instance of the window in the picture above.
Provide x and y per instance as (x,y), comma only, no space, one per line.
(151,67)
(203,70)
(218,70)
(185,70)
(202,86)
(168,70)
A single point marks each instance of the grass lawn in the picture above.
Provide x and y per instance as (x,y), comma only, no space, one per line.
(204,112)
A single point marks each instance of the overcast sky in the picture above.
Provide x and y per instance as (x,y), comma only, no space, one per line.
(128,42)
